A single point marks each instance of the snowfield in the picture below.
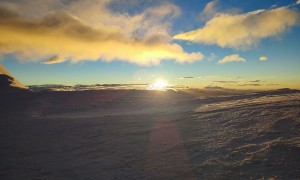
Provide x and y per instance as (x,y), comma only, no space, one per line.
(136,134)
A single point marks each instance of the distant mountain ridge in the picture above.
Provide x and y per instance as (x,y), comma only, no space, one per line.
(8,82)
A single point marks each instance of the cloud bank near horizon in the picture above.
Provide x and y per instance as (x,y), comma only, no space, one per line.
(77,31)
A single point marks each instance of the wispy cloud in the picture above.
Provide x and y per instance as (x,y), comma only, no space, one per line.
(212,57)
(232,58)
(212,9)
(273,84)
(225,82)
(219,78)
(213,87)
(243,31)
(254,84)
(88,30)
(55,60)
(263,58)
(257,81)
(187,77)
(209,11)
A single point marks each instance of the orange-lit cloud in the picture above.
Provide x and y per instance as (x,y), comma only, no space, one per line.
(88,30)
(243,31)
(231,58)
(263,58)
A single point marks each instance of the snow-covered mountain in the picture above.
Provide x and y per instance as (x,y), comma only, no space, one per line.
(8,81)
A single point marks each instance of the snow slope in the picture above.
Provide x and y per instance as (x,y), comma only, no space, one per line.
(131,134)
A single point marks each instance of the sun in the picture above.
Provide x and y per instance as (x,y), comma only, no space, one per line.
(159,85)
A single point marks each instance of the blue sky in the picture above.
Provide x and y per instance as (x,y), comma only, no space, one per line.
(109,41)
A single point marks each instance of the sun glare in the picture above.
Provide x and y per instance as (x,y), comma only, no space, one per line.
(159,85)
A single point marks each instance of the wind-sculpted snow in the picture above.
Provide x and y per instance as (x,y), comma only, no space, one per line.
(248,137)
(135,134)
(245,102)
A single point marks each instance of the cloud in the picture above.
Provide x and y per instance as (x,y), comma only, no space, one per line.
(225,82)
(298,2)
(212,9)
(213,88)
(187,77)
(89,31)
(256,81)
(263,58)
(209,10)
(55,60)
(231,58)
(242,31)
(250,84)
(212,57)
(273,84)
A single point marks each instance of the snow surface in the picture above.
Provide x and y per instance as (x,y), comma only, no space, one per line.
(135,134)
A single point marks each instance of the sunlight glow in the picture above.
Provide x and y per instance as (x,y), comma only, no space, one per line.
(159,85)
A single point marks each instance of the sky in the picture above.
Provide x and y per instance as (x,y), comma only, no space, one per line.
(251,44)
